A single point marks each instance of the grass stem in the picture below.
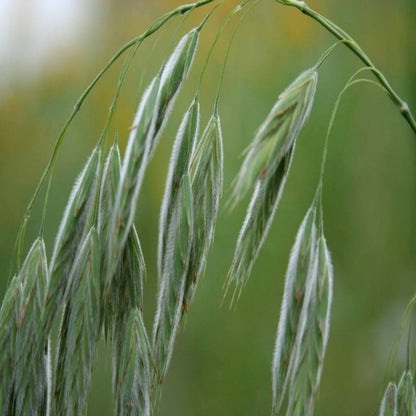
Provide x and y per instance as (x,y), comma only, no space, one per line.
(354,47)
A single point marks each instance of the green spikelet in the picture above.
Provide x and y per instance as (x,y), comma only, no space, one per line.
(207,179)
(132,380)
(126,287)
(266,167)
(75,224)
(79,332)
(307,359)
(389,402)
(148,124)
(406,399)
(178,167)
(172,284)
(23,348)
(301,263)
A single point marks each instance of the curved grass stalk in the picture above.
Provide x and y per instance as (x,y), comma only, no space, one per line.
(340,34)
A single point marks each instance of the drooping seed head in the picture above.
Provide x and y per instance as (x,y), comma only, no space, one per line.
(126,287)
(308,351)
(23,372)
(150,119)
(276,136)
(179,166)
(131,367)
(301,265)
(109,183)
(174,73)
(172,285)
(406,398)
(76,222)
(388,405)
(266,165)
(207,182)
(79,331)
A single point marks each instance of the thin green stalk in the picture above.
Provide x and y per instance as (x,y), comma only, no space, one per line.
(236,9)
(227,54)
(102,141)
(349,83)
(181,10)
(354,47)
(204,67)
(327,53)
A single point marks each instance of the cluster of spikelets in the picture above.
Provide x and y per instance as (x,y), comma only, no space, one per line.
(94,280)
(400,399)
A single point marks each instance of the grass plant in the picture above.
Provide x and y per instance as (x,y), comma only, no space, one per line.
(56,310)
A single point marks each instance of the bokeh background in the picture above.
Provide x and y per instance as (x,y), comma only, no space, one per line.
(50,51)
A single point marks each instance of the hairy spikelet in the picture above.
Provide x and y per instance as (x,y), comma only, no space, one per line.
(301,264)
(305,366)
(131,382)
(179,166)
(23,348)
(75,224)
(207,180)
(172,285)
(126,288)
(9,316)
(389,402)
(79,332)
(148,124)
(109,183)
(266,166)
(406,398)
(126,291)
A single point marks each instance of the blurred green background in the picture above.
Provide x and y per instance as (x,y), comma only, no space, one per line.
(221,363)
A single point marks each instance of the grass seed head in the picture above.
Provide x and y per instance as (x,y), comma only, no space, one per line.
(266,166)
(22,357)
(109,183)
(406,399)
(308,353)
(79,331)
(150,119)
(131,381)
(75,224)
(389,402)
(179,166)
(301,263)
(126,287)
(207,182)
(174,73)
(172,285)
(275,137)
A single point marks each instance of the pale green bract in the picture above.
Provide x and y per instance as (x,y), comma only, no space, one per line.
(207,184)
(183,149)
(24,358)
(132,377)
(76,223)
(172,283)
(79,332)
(389,402)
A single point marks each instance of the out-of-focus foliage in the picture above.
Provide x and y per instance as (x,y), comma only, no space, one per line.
(221,363)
